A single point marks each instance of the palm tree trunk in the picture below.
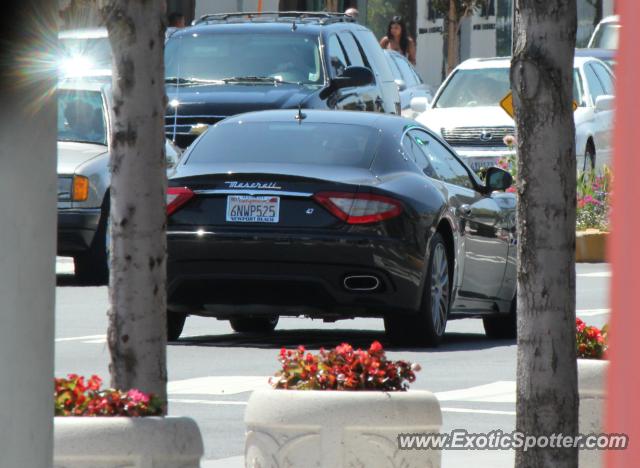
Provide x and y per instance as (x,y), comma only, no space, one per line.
(542,80)
(137,315)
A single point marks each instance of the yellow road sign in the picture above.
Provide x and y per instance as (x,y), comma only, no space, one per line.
(507,104)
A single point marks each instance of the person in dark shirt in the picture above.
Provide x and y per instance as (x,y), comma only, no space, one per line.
(176,20)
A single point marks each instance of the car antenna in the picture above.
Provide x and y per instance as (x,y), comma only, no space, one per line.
(294,26)
(300,116)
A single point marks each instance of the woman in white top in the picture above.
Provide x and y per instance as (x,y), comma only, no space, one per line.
(397,39)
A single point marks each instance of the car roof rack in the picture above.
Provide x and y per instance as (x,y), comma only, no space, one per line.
(315,17)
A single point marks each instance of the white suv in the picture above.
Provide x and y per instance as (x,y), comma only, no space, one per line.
(607,33)
(466,111)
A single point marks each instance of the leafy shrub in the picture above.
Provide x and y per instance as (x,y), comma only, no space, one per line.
(591,342)
(343,368)
(76,397)
(594,192)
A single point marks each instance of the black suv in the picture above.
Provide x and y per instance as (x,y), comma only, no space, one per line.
(228,64)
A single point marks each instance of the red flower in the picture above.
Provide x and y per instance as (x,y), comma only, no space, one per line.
(591,342)
(74,397)
(342,368)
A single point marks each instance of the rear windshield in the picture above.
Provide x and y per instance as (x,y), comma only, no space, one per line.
(324,144)
(288,57)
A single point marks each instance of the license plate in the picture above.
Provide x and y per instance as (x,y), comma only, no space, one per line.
(476,163)
(248,209)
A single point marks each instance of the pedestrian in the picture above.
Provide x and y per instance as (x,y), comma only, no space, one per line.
(176,20)
(397,39)
(352,12)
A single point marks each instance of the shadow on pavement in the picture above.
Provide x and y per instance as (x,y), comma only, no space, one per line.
(314,339)
(67,280)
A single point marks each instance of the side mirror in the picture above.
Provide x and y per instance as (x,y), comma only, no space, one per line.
(354,76)
(497,179)
(605,103)
(419,104)
(401,84)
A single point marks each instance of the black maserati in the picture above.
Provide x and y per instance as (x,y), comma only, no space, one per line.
(337,215)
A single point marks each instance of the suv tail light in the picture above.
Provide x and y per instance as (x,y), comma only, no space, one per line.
(359,208)
(176,197)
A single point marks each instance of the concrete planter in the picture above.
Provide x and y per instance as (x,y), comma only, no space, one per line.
(333,429)
(591,246)
(592,375)
(110,442)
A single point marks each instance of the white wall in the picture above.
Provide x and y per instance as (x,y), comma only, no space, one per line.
(607,7)
(28,133)
(428,47)
(482,41)
(204,7)
(475,41)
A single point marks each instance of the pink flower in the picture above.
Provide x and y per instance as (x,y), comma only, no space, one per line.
(509,140)
(137,396)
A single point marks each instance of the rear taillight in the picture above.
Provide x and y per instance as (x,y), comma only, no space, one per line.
(176,197)
(359,208)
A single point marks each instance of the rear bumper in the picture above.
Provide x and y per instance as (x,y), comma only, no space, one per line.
(76,229)
(227,276)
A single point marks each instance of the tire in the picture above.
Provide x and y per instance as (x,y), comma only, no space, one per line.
(589,157)
(502,327)
(92,265)
(428,326)
(253,324)
(175,325)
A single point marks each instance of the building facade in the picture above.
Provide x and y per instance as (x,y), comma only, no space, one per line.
(487,33)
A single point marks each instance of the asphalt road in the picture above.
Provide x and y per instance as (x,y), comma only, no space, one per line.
(213,370)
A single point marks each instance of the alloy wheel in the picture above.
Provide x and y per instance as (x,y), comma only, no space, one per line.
(439,289)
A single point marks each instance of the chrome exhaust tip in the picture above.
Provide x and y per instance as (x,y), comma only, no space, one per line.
(361,283)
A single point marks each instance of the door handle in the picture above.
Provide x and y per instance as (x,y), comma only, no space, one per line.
(464,210)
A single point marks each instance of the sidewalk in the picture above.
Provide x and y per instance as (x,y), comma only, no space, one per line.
(231,462)
(450,459)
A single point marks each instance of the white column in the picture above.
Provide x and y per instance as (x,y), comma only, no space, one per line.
(27,252)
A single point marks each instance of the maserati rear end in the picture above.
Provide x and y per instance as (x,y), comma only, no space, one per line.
(279,213)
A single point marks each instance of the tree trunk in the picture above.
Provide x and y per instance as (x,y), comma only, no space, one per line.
(137,315)
(541,80)
(453,37)
(331,5)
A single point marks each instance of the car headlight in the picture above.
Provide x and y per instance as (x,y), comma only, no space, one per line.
(64,188)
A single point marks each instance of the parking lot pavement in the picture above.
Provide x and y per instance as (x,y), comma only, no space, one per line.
(212,370)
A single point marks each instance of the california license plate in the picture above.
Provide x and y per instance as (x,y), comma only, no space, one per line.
(479,163)
(248,209)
